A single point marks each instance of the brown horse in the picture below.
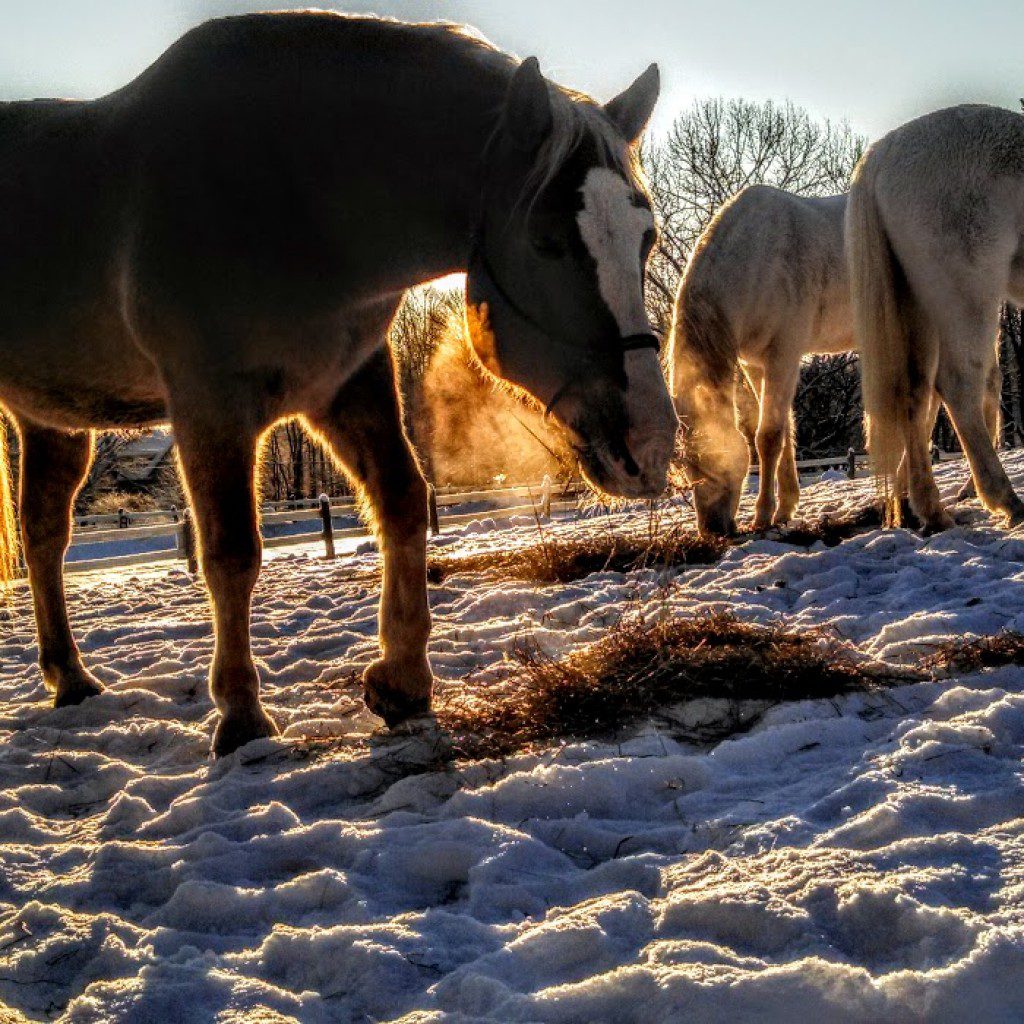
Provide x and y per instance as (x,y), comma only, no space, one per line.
(223,243)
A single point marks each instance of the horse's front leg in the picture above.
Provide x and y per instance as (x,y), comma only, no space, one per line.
(217,436)
(789,475)
(363,426)
(778,389)
(53,466)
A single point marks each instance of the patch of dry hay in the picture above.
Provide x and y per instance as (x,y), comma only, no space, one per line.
(668,543)
(1005,648)
(831,529)
(641,668)
(563,557)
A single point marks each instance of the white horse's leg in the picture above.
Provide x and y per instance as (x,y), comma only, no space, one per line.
(925,500)
(915,471)
(992,409)
(789,475)
(778,388)
(928,428)
(964,376)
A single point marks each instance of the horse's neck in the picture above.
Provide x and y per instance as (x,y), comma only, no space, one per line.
(381,127)
(20,118)
(424,135)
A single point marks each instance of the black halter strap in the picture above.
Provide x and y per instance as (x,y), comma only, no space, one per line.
(630,343)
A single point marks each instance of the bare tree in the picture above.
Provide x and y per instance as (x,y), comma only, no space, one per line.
(828,406)
(1011,357)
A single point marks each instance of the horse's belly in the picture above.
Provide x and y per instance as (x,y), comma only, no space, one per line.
(80,382)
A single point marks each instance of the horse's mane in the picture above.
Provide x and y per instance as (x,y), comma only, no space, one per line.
(575,116)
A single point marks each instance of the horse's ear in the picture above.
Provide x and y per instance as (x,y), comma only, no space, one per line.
(528,106)
(631,110)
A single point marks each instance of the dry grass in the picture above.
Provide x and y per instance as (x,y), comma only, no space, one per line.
(563,557)
(830,529)
(112,502)
(642,668)
(666,542)
(1005,648)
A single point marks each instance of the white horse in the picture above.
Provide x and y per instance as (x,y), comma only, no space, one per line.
(765,286)
(935,241)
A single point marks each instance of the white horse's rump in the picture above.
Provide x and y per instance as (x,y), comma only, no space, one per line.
(765,286)
(935,238)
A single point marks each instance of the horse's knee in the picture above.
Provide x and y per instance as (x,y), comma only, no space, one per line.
(239,569)
(402,508)
(44,540)
(770,439)
(234,565)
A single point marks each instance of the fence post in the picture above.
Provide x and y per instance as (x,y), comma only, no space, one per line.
(435,522)
(187,542)
(936,454)
(545,497)
(325,518)
(851,463)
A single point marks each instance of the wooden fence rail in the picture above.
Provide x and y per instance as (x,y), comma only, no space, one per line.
(320,515)
(314,519)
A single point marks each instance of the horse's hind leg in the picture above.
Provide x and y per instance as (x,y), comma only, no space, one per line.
(992,410)
(53,466)
(926,427)
(363,426)
(964,377)
(217,441)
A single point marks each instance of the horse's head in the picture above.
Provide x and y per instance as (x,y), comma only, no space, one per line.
(555,284)
(716,461)
(715,457)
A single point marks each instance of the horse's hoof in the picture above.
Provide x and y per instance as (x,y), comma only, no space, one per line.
(236,729)
(1015,519)
(937,524)
(396,704)
(72,696)
(967,492)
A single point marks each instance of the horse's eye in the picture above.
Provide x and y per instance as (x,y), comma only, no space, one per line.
(548,248)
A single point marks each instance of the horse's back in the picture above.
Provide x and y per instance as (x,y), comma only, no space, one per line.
(950,190)
(772,261)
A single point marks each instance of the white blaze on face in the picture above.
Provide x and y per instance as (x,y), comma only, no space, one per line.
(613,228)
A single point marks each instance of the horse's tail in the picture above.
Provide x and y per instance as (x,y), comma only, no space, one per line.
(8,526)
(889,348)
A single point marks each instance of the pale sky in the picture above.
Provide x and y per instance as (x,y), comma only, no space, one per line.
(876,63)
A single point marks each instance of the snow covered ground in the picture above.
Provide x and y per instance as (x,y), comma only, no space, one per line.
(858,859)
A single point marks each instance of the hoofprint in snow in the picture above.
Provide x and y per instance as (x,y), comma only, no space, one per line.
(858,859)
